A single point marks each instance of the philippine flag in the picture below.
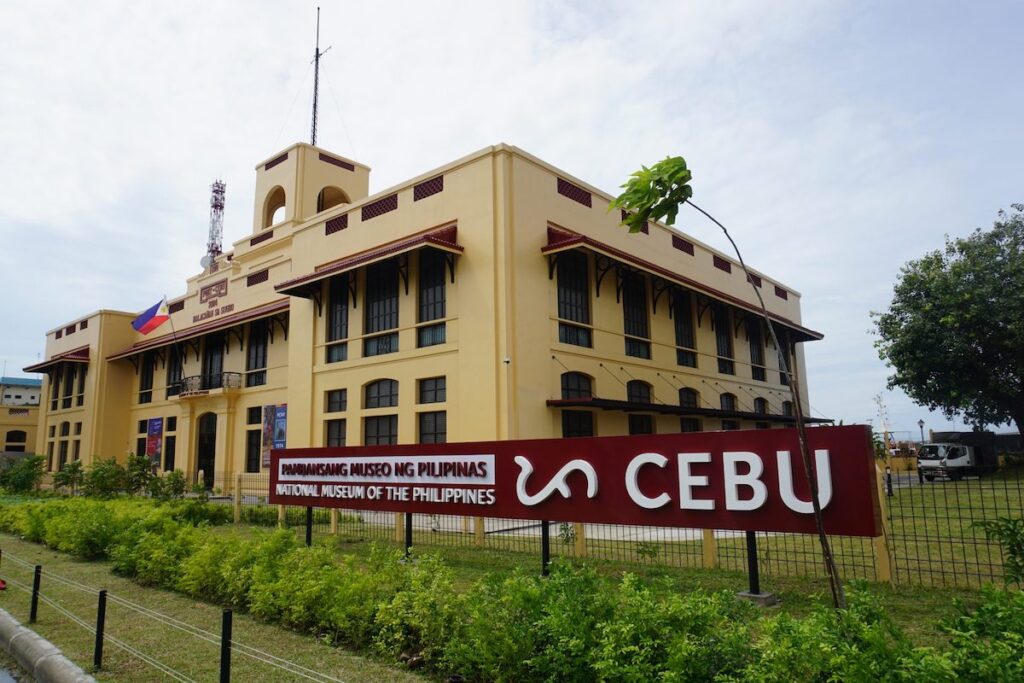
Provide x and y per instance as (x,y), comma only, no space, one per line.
(152,318)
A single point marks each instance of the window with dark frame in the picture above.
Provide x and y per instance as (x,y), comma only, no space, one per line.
(576,385)
(171,424)
(253,449)
(380,430)
(146,377)
(638,391)
(140,446)
(170,444)
(636,324)
(576,423)
(62,458)
(728,402)
(730,425)
(573,299)
(254,415)
(686,338)
(787,408)
(757,369)
(689,424)
(433,390)
(256,353)
(762,425)
(761,406)
(381,394)
(689,398)
(433,427)
(337,318)
(55,376)
(641,424)
(142,427)
(431,298)
(337,401)
(381,308)
(80,398)
(723,339)
(334,435)
(173,377)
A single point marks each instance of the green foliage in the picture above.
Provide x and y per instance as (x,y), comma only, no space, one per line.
(174,485)
(1010,533)
(104,478)
(138,474)
(70,477)
(22,475)
(955,327)
(648,550)
(654,193)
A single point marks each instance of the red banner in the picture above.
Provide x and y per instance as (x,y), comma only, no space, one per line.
(751,480)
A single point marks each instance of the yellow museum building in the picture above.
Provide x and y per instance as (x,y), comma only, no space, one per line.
(495,297)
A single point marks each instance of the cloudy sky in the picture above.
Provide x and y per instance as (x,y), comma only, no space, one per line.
(837,140)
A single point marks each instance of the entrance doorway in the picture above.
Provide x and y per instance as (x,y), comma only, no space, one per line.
(206,447)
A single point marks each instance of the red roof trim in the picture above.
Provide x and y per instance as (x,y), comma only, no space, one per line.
(212,326)
(563,239)
(79,355)
(446,238)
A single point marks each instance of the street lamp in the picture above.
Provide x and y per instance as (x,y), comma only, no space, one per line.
(920,424)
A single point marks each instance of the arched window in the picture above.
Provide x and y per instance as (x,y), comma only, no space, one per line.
(638,392)
(330,197)
(381,394)
(787,408)
(65,428)
(689,398)
(728,402)
(576,385)
(273,210)
(760,406)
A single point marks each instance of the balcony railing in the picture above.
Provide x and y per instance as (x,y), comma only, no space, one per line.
(202,384)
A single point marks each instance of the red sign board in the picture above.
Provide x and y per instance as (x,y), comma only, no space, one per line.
(749,480)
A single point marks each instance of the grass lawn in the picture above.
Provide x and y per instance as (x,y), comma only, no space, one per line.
(194,658)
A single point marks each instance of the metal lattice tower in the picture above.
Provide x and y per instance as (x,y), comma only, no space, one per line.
(316,77)
(217,190)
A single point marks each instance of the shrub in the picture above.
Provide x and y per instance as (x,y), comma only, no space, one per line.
(22,475)
(86,529)
(104,478)
(1010,534)
(70,477)
(138,474)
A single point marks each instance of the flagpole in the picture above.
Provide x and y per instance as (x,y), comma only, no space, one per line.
(174,342)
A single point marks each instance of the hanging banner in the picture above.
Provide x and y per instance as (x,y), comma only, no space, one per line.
(267,442)
(749,480)
(281,426)
(154,440)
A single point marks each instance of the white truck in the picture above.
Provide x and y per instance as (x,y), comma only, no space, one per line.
(957,454)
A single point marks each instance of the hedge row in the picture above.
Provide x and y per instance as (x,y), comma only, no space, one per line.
(573,626)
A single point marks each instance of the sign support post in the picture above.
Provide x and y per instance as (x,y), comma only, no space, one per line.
(545,547)
(309,526)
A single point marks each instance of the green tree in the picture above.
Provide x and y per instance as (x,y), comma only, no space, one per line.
(22,475)
(70,477)
(657,193)
(104,478)
(954,332)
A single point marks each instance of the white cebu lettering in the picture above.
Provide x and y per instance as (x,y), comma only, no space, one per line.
(743,492)
(558,482)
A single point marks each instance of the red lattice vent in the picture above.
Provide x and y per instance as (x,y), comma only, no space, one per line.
(275,161)
(755,279)
(70,329)
(176,306)
(682,245)
(781,293)
(427,188)
(645,229)
(336,224)
(379,207)
(573,192)
(722,264)
(337,162)
(256,278)
(261,238)
(84,324)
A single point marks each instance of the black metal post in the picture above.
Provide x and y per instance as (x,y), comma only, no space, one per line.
(408,533)
(755,579)
(225,647)
(545,548)
(920,474)
(101,621)
(309,526)
(35,594)
(888,481)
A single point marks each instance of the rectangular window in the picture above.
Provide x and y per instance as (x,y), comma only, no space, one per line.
(634,314)
(254,415)
(49,457)
(433,427)
(432,295)
(577,423)
(573,299)
(80,398)
(171,424)
(757,370)
(337,318)
(730,425)
(256,354)
(170,443)
(723,339)
(335,433)
(686,339)
(430,335)
(53,431)
(54,389)
(78,429)
(76,449)
(689,424)
(381,307)
(173,370)
(142,427)
(146,377)
(337,400)
(762,425)
(381,430)
(253,449)
(140,446)
(433,390)
(69,384)
(641,424)
(377,346)
(62,458)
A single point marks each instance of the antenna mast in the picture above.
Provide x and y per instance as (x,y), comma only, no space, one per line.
(316,75)
(213,246)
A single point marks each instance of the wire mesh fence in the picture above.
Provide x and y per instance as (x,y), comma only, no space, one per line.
(932,533)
